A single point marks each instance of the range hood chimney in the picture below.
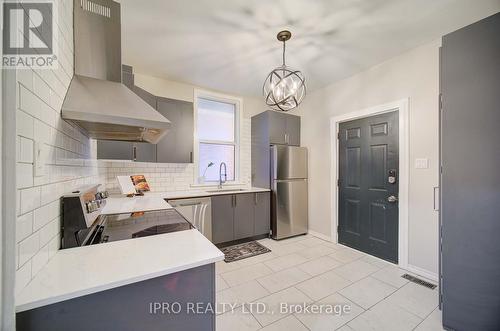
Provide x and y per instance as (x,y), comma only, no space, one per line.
(96,100)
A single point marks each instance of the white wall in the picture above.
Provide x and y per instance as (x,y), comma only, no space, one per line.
(69,155)
(182,91)
(413,75)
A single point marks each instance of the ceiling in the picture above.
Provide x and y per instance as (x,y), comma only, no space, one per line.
(231,45)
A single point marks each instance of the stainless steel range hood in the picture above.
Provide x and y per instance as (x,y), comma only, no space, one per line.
(96,100)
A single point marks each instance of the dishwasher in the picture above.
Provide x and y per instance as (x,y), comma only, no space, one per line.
(198,211)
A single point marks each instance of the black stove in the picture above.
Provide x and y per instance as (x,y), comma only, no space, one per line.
(82,226)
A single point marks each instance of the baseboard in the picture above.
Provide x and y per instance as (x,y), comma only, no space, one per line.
(319,235)
(422,272)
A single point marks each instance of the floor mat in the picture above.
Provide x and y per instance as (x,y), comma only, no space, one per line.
(242,251)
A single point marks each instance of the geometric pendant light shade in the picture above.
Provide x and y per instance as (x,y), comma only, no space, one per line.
(284,87)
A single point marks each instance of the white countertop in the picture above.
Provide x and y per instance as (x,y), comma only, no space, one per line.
(199,193)
(84,270)
(120,205)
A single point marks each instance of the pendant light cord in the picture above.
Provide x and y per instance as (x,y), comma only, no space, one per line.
(284,43)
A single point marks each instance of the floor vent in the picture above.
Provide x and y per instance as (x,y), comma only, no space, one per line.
(419,281)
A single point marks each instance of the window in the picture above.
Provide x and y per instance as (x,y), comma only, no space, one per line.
(217,136)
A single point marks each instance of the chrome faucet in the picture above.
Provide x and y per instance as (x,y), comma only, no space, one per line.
(220,174)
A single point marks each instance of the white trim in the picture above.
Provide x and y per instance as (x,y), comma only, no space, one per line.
(238,102)
(404,131)
(422,272)
(319,235)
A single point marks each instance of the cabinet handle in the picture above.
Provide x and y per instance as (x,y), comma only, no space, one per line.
(134,153)
(234,200)
(190,157)
(436,203)
(255,196)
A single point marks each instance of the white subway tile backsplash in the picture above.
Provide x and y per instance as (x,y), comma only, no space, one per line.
(41,88)
(49,231)
(42,132)
(24,175)
(24,150)
(45,214)
(28,248)
(39,100)
(25,125)
(24,226)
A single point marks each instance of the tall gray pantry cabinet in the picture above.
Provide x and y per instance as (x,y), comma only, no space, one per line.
(470,177)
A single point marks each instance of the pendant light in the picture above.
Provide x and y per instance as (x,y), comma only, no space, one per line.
(284,88)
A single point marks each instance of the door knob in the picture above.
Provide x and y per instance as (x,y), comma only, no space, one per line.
(392,199)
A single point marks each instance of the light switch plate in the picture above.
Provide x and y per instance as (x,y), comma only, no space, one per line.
(421,163)
(38,159)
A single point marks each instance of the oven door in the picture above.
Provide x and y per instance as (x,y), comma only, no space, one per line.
(198,211)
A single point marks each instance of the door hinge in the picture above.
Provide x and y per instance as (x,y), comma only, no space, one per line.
(338,135)
(338,228)
(338,182)
(440,101)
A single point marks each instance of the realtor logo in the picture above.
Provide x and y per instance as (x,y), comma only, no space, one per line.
(28,34)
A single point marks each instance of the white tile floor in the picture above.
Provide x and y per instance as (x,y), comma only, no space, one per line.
(313,273)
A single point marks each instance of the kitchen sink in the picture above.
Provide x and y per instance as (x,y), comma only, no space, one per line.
(228,190)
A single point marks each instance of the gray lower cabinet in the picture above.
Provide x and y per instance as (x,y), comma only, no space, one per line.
(222,218)
(238,216)
(177,145)
(136,306)
(244,210)
(262,213)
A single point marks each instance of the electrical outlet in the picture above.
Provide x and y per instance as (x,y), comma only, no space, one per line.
(38,159)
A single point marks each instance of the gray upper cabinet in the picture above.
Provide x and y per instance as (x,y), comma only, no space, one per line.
(144,152)
(177,145)
(293,130)
(284,129)
(114,150)
(243,216)
(277,128)
(124,150)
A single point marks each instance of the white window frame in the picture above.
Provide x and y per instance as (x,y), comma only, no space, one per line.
(238,106)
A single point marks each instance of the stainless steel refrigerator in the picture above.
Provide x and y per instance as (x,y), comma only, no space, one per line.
(289,191)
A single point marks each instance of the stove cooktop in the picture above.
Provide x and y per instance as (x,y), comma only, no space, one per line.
(142,224)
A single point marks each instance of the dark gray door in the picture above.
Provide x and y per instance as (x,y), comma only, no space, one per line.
(368,207)
(262,214)
(177,145)
(293,130)
(114,150)
(470,180)
(243,215)
(277,128)
(222,218)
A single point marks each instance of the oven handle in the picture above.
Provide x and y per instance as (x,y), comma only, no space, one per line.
(188,204)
